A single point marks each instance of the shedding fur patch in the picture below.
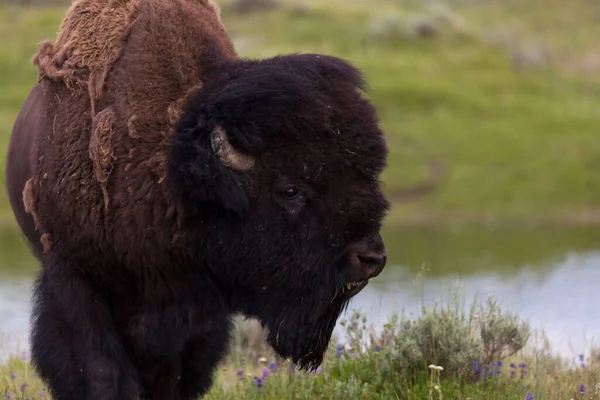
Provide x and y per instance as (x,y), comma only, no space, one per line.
(133,133)
(101,150)
(174,112)
(91,38)
(46,241)
(30,198)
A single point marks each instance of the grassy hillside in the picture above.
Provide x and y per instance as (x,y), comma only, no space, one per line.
(491,107)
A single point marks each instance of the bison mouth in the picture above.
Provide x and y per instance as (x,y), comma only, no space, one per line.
(352,289)
(302,330)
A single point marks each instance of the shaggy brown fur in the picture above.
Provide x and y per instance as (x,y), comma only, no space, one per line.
(101,45)
(90,40)
(110,91)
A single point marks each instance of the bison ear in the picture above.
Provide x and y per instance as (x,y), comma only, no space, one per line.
(205,169)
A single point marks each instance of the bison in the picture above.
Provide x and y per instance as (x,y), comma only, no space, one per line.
(167,184)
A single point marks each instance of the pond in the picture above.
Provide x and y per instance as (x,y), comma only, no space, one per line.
(550,277)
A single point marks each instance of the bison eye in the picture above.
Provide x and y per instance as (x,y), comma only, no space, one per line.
(291,192)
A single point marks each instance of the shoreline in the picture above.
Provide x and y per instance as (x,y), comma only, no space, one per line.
(400,216)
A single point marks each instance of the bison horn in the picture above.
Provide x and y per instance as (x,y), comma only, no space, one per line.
(228,155)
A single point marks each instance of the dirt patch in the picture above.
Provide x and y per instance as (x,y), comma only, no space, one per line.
(587,65)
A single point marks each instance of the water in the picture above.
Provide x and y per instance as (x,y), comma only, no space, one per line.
(549,277)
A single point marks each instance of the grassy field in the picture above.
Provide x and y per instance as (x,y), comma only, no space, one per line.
(491,107)
(446,352)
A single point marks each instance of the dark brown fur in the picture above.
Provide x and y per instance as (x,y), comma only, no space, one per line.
(153,231)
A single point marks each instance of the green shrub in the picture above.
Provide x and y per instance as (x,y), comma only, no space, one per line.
(447,336)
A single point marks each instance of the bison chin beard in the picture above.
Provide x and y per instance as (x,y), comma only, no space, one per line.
(301,330)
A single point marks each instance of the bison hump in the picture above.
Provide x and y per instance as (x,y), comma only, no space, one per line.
(136,61)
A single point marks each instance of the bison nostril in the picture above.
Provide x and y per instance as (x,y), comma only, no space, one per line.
(374,262)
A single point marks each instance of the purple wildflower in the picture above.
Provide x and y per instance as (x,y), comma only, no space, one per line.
(339,350)
(9,395)
(377,348)
(523,367)
(529,396)
(273,366)
(258,382)
(240,374)
(265,373)
(13,376)
(581,357)
(582,389)
(24,386)
(512,365)
(499,364)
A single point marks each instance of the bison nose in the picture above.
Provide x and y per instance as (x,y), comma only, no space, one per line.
(373,263)
(368,258)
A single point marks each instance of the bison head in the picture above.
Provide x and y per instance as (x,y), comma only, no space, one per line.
(277,163)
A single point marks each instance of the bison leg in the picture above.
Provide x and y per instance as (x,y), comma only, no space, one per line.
(163,384)
(200,358)
(74,346)
(188,373)
(177,349)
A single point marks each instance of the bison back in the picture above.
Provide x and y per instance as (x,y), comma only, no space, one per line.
(114,84)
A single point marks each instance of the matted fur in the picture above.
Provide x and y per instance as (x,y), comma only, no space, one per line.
(46,241)
(112,88)
(90,40)
(101,151)
(30,198)
(101,45)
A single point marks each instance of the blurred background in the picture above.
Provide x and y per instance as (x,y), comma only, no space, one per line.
(492,114)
